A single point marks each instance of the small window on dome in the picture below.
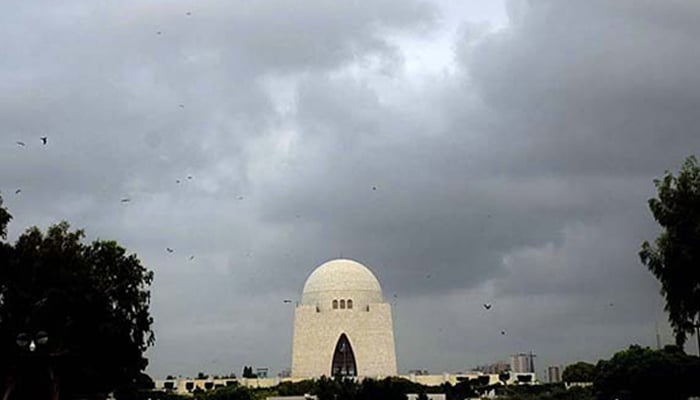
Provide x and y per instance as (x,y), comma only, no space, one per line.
(335,304)
(349,304)
(342,304)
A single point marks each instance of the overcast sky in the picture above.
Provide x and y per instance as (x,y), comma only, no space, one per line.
(468,152)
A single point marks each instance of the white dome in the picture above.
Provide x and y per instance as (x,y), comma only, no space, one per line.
(341,279)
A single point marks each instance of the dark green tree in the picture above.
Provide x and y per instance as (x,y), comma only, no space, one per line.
(674,259)
(5,218)
(72,313)
(643,373)
(579,372)
(248,372)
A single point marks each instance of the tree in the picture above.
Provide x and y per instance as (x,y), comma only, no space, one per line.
(643,373)
(578,372)
(674,259)
(248,372)
(72,313)
(5,218)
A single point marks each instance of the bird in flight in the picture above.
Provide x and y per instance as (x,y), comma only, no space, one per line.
(487,306)
(191,258)
(287,301)
(181,106)
(44,139)
(503,332)
(18,191)
(20,143)
(177,181)
(159,33)
(125,200)
(189,176)
(169,250)
(188,13)
(374,188)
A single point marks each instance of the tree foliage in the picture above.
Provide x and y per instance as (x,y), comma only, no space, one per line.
(5,218)
(91,301)
(549,391)
(248,372)
(643,373)
(578,372)
(674,259)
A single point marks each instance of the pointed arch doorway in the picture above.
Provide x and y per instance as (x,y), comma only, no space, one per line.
(343,358)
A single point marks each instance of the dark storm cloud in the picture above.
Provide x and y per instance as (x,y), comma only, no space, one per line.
(520,178)
(556,127)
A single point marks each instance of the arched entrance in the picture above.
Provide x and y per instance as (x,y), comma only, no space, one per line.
(343,358)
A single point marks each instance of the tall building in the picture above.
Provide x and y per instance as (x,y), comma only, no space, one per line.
(342,326)
(495,368)
(553,374)
(522,363)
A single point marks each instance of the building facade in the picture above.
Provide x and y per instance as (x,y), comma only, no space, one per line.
(522,363)
(554,374)
(342,326)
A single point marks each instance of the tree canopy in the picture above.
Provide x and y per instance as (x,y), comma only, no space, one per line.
(674,259)
(83,307)
(643,373)
(578,372)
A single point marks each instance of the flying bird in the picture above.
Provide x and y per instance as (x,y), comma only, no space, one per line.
(181,106)
(159,33)
(287,301)
(188,13)
(177,181)
(503,332)
(20,143)
(374,188)
(125,200)
(189,176)
(191,258)
(487,306)
(18,191)
(44,139)
(427,276)
(169,250)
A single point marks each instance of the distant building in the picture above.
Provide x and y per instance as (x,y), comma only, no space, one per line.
(261,372)
(495,368)
(430,396)
(418,372)
(554,374)
(522,363)
(190,385)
